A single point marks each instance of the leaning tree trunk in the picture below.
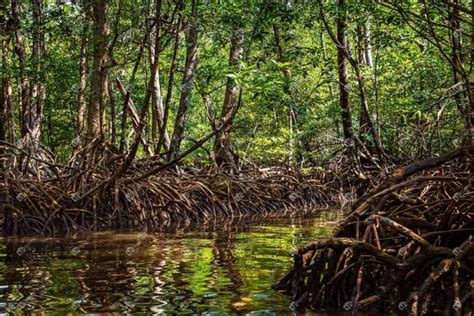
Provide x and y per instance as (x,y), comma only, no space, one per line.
(99,71)
(163,139)
(186,86)
(225,157)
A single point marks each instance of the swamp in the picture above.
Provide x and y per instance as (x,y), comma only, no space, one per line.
(241,157)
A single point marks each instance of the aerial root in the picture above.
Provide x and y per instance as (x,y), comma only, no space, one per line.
(407,247)
(57,204)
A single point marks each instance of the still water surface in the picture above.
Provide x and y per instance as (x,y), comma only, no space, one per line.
(219,269)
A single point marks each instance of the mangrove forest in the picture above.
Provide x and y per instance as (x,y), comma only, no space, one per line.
(239,157)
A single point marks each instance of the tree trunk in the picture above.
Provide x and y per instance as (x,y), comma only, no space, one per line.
(3,125)
(123,121)
(7,92)
(343,56)
(186,85)
(99,71)
(223,153)
(82,76)
(38,88)
(163,141)
(133,113)
(376,95)
(342,72)
(322,46)
(361,61)
(365,122)
(20,52)
(142,118)
(460,74)
(292,119)
(471,79)
(113,114)
(157,112)
(367,44)
(366,125)
(6,108)
(3,105)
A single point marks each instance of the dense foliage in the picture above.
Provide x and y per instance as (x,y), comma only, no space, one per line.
(287,74)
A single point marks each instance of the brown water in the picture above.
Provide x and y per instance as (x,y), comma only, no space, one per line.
(214,270)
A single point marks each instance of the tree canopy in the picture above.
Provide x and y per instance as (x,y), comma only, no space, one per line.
(265,76)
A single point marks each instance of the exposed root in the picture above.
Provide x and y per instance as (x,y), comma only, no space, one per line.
(47,198)
(407,246)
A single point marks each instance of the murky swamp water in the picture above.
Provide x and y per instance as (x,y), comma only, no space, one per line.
(219,269)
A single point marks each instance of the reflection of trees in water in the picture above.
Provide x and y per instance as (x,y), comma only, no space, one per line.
(28,274)
(200,262)
(107,274)
(187,269)
(163,260)
(223,251)
(168,269)
(97,288)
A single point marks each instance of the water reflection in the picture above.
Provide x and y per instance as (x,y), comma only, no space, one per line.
(216,269)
